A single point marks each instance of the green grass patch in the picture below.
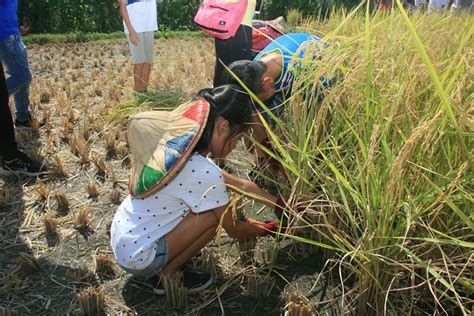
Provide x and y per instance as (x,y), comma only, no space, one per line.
(151,100)
(79,37)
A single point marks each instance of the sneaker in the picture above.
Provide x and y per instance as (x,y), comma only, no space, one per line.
(194,281)
(159,289)
(22,164)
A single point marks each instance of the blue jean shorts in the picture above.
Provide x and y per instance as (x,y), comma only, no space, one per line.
(155,267)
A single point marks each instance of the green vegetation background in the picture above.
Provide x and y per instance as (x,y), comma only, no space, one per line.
(86,16)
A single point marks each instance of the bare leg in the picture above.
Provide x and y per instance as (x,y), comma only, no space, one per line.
(186,239)
(180,259)
(137,77)
(145,75)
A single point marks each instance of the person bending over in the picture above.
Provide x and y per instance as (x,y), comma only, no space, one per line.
(269,77)
(179,197)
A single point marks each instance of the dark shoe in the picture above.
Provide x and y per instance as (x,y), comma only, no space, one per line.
(194,281)
(28,123)
(21,164)
(25,124)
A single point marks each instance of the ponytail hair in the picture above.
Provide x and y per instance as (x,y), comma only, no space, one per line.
(229,102)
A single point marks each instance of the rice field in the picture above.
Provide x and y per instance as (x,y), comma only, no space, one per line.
(381,169)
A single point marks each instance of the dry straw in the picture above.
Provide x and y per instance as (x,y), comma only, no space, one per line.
(100,165)
(28,263)
(246,247)
(259,285)
(50,225)
(92,190)
(92,300)
(63,202)
(83,219)
(42,191)
(104,265)
(176,293)
(59,167)
(298,305)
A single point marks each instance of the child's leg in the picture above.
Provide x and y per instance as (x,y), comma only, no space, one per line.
(148,43)
(190,236)
(145,75)
(139,59)
(137,77)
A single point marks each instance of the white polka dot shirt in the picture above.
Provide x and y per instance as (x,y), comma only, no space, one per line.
(139,223)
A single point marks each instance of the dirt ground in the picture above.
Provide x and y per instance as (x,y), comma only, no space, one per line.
(74,91)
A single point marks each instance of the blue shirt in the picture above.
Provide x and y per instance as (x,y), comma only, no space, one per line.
(288,46)
(8,18)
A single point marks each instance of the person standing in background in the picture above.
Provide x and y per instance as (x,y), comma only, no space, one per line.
(235,48)
(140,23)
(12,159)
(13,55)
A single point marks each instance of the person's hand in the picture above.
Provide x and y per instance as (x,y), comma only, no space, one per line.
(133,37)
(270,226)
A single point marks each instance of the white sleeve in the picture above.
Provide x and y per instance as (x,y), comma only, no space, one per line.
(205,187)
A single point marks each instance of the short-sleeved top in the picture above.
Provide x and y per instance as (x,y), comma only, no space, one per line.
(249,13)
(142,15)
(139,223)
(288,46)
(8,18)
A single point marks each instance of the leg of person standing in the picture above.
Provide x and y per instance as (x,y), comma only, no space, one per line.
(142,59)
(149,50)
(8,146)
(13,55)
(235,48)
(12,159)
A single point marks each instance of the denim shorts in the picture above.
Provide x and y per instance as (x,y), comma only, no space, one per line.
(155,267)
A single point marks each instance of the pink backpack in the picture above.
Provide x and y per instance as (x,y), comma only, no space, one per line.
(219,18)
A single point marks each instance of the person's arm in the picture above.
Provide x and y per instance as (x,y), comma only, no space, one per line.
(249,228)
(239,184)
(126,19)
(235,228)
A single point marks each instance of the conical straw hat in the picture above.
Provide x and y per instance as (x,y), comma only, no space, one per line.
(160,142)
(278,25)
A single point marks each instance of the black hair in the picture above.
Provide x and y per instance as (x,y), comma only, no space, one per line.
(250,72)
(229,102)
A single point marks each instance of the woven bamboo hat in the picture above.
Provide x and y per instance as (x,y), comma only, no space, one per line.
(160,142)
(278,25)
